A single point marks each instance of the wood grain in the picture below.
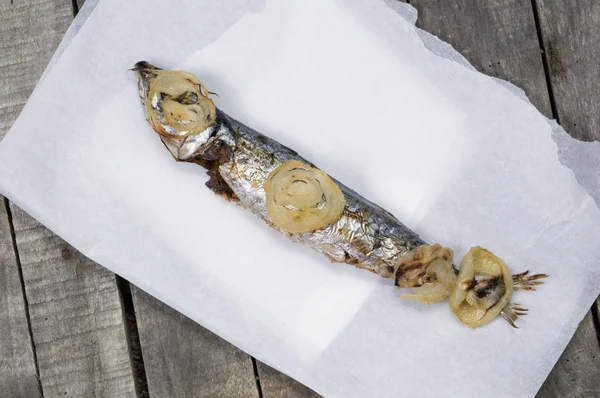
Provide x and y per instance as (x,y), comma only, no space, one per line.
(30,31)
(74,306)
(577,372)
(76,316)
(498,38)
(79,296)
(570,32)
(182,359)
(278,385)
(571,36)
(18,376)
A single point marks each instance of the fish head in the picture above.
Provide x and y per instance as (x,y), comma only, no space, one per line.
(178,107)
(145,73)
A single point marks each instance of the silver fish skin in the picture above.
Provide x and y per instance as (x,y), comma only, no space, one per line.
(239,160)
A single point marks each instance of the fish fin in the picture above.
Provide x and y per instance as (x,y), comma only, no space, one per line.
(511,313)
(524,281)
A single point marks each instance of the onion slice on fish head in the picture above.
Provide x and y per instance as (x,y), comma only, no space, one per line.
(483,289)
(301,198)
(178,105)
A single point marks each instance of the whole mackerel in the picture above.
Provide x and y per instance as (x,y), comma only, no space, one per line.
(239,162)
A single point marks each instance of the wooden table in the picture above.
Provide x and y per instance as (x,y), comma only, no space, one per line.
(70,327)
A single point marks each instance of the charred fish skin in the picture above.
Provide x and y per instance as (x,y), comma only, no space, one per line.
(293,196)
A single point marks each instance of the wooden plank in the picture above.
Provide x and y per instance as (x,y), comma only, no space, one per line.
(74,305)
(76,316)
(18,373)
(570,33)
(30,31)
(497,37)
(268,374)
(182,359)
(577,372)
(278,385)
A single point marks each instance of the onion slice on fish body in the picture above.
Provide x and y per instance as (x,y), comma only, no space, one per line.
(428,272)
(301,198)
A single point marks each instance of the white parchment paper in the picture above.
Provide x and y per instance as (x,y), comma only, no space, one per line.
(357,89)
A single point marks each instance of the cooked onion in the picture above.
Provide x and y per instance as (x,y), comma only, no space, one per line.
(178,105)
(428,272)
(301,198)
(484,288)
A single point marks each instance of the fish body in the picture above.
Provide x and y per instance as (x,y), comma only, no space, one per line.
(293,196)
(364,235)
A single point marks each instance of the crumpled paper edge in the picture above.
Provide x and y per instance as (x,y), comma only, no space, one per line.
(590,151)
(84,13)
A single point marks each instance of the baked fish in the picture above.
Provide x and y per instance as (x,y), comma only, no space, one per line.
(296,198)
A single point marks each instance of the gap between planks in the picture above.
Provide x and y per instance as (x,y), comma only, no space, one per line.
(133,337)
(571,32)
(77,347)
(256,368)
(538,29)
(596,319)
(18,371)
(25,300)
(257,378)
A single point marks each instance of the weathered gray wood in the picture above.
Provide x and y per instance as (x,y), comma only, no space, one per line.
(17,366)
(30,31)
(74,306)
(497,37)
(277,385)
(570,32)
(577,372)
(491,20)
(571,36)
(79,4)
(182,359)
(76,316)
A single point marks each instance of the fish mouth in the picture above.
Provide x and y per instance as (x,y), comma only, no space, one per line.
(144,65)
